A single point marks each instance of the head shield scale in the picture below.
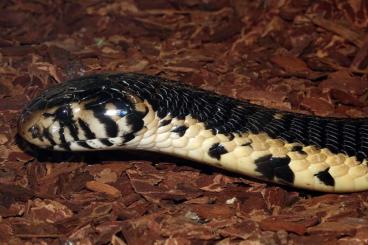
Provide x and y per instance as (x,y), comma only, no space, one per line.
(96,112)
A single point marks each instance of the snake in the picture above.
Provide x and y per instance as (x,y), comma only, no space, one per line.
(132,111)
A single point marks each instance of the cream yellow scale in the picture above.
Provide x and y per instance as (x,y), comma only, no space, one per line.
(347,172)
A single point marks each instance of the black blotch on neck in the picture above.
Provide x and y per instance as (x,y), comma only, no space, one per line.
(271,167)
(230,136)
(325,177)
(165,122)
(299,149)
(216,151)
(180,130)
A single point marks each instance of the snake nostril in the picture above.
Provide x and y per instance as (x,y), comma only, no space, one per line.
(35,131)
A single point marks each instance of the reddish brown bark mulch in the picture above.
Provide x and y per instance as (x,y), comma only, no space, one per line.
(306,56)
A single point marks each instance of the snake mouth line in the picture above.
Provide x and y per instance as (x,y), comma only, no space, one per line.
(92,144)
(83,145)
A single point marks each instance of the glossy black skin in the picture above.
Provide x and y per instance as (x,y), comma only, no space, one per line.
(219,113)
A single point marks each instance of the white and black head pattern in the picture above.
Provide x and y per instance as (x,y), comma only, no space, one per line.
(92,113)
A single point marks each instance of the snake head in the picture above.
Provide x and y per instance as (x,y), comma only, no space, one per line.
(95,112)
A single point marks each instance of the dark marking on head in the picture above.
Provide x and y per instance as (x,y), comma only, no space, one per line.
(64,115)
(106,142)
(110,126)
(48,136)
(135,120)
(50,148)
(73,130)
(216,151)
(99,110)
(128,137)
(64,144)
(325,177)
(180,130)
(84,144)
(271,167)
(86,129)
(165,122)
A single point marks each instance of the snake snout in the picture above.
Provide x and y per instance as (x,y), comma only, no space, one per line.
(30,129)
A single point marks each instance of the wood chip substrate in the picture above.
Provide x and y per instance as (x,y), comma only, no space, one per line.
(303,56)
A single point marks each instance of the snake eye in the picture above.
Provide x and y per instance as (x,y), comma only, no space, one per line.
(63,113)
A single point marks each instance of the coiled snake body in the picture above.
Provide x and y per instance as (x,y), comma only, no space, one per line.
(135,111)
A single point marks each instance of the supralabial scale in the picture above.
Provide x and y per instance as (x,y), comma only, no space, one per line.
(136,111)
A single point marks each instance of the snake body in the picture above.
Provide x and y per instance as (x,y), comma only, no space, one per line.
(136,111)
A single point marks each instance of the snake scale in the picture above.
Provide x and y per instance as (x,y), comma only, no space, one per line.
(141,112)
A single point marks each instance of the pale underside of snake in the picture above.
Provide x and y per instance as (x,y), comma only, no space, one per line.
(136,111)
